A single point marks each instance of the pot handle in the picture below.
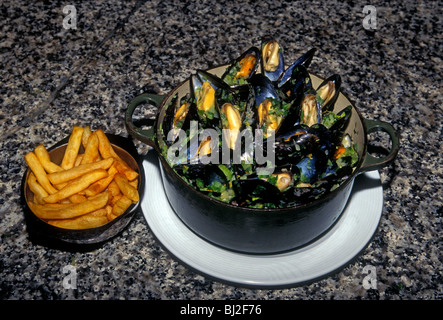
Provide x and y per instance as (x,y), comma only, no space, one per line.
(373,163)
(145,135)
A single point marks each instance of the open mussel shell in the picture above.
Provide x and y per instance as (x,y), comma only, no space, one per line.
(272,59)
(296,84)
(295,91)
(242,68)
(263,89)
(267,100)
(336,127)
(203,87)
(304,60)
(328,91)
(178,117)
(195,146)
(206,174)
(168,122)
(214,179)
(292,147)
(269,187)
(306,107)
(249,190)
(312,166)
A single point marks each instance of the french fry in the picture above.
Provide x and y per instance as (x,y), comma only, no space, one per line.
(121,205)
(38,191)
(124,186)
(77,198)
(124,169)
(115,198)
(78,160)
(43,156)
(67,211)
(91,150)
(39,172)
(75,172)
(72,148)
(101,184)
(113,188)
(111,216)
(102,212)
(106,151)
(60,185)
(76,185)
(104,146)
(86,221)
(85,136)
(58,205)
(134,183)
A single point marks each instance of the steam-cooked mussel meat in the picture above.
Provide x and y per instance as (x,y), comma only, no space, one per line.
(272,59)
(328,91)
(203,88)
(231,123)
(178,117)
(270,108)
(242,68)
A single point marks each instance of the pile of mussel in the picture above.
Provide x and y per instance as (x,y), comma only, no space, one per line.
(260,135)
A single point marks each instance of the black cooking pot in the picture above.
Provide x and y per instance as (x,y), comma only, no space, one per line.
(250,230)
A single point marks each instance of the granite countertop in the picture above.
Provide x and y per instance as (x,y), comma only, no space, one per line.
(53,78)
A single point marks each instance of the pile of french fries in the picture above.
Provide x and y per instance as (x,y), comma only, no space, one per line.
(85,190)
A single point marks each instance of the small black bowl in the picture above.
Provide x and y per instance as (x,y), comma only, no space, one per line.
(49,235)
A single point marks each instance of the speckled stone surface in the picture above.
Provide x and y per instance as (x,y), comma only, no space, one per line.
(54,78)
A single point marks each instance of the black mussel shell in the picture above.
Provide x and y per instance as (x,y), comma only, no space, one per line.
(304,60)
(312,166)
(338,128)
(242,68)
(169,119)
(294,91)
(302,194)
(254,190)
(209,116)
(272,59)
(328,91)
(297,84)
(206,174)
(303,140)
(179,115)
(263,88)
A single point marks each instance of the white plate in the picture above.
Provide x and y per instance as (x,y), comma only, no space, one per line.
(343,242)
